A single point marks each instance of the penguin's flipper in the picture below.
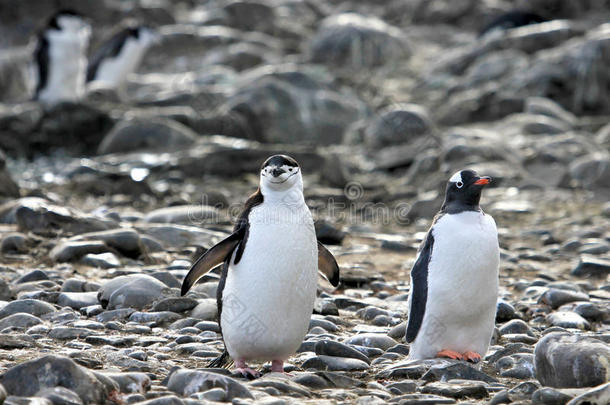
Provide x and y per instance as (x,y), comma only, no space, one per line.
(327,265)
(210,259)
(419,288)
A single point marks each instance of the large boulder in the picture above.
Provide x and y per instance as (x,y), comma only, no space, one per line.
(134,291)
(356,41)
(571,361)
(290,104)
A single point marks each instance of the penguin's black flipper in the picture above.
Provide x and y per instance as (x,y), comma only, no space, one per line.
(327,265)
(419,288)
(210,259)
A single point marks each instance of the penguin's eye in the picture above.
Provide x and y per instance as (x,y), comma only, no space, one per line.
(290,169)
(459,184)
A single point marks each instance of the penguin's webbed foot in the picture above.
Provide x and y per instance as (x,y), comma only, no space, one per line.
(242,368)
(277,366)
(450,354)
(471,356)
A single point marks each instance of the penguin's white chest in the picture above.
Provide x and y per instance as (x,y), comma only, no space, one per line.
(113,72)
(269,295)
(462,286)
(67,66)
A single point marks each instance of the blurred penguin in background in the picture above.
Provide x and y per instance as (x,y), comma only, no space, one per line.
(119,55)
(60,59)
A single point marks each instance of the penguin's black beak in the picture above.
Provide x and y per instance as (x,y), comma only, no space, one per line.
(277,171)
(483,181)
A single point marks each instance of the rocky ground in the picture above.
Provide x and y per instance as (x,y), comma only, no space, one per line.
(106,202)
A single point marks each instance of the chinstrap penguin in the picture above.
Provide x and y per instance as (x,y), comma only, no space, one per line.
(60,59)
(270,269)
(454,281)
(120,55)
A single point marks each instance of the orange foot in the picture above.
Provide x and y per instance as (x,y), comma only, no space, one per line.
(449,354)
(472,357)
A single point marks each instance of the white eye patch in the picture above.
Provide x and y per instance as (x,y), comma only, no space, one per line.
(456,178)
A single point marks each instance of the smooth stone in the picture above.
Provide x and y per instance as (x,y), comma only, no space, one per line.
(398,331)
(571,361)
(568,320)
(598,395)
(69,251)
(463,389)
(322,323)
(379,341)
(422,399)
(591,266)
(175,304)
(282,384)
(556,297)
(453,371)
(115,314)
(58,371)
(101,260)
(75,285)
(16,400)
(67,333)
(592,312)
(15,242)
(337,349)
(130,382)
(28,306)
(518,365)
(402,387)
(515,326)
(330,363)
(206,310)
(185,215)
(187,382)
(34,275)
(133,291)
(325,306)
(155,318)
(60,396)
(13,341)
(165,400)
(19,321)
(5,291)
(550,396)
(77,300)
(208,326)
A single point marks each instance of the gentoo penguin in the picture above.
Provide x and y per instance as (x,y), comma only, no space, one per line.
(454,281)
(269,276)
(119,56)
(60,58)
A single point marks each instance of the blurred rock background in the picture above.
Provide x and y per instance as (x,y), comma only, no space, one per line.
(380,102)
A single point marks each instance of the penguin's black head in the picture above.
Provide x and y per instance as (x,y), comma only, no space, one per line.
(280,172)
(463,191)
(66,20)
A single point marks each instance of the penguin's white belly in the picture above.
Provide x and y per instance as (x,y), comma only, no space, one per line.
(112,72)
(269,295)
(67,67)
(462,286)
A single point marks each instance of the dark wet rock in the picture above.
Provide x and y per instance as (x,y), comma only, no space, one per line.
(356,41)
(397,125)
(590,311)
(35,275)
(379,341)
(44,218)
(19,321)
(72,251)
(550,396)
(566,319)
(167,278)
(281,106)
(457,370)
(186,382)
(144,134)
(59,372)
(565,361)
(175,304)
(332,348)
(328,234)
(515,326)
(461,389)
(15,242)
(331,363)
(591,266)
(29,306)
(75,285)
(135,291)
(60,396)
(125,241)
(556,297)
(519,365)
(77,300)
(185,214)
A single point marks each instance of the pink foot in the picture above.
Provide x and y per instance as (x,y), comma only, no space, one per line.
(472,357)
(277,366)
(244,370)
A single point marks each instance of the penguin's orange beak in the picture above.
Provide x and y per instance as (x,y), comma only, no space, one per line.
(483,181)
